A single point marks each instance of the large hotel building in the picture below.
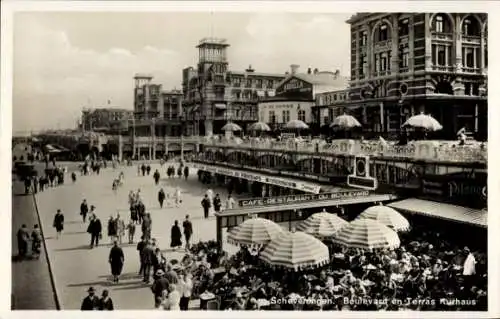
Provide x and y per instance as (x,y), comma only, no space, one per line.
(403,64)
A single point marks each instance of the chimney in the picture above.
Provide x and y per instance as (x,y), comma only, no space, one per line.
(316,71)
(294,68)
(309,71)
(250,69)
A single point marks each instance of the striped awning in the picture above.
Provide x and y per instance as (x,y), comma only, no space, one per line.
(296,250)
(322,225)
(387,216)
(254,232)
(367,234)
(445,211)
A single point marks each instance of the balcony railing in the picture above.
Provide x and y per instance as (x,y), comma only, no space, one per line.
(472,39)
(441,36)
(471,70)
(438,151)
(443,68)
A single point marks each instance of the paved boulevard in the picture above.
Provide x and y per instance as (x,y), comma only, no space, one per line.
(76,267)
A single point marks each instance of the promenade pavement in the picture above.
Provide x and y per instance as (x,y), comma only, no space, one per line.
(76,267)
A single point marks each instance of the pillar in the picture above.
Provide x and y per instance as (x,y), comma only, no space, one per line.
(482,54)
(428,43)
(120,148)
(219,230)
(394,63)
(356,72)
(411,46)
(182,147)
(457,40)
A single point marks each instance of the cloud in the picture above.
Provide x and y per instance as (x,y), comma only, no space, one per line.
(49,69)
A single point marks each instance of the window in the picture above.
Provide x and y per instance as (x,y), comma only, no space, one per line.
(467,27)
(383,33)
(403,28)
(438,27)
(468,57)
(259,83)
(377,62)
(302,115)
(364,65)
(468,88)
(272,117)
(330,115)
(364,38)
(441,55)
(249,83)
(405,57)
(286,116)
(486,56)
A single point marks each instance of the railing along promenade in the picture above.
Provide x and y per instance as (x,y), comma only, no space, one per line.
(432,150)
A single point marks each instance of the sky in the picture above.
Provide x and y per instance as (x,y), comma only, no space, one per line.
(64,61)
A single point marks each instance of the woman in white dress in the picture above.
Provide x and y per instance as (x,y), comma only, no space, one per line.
(210,195)
(178,199)
(173,299)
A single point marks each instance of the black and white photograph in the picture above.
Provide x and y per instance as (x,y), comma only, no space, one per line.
(249,160)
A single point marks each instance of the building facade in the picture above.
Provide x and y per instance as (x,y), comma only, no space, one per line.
(403,64)
(295,96)
(329,105)
(213,94)
(105,120)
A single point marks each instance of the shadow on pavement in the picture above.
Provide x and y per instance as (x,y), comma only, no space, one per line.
(102,283)
(81,247)
(134,286)
(75,232)
(125,276)
(18,259)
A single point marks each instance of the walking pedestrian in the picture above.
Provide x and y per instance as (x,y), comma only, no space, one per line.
(146,226)
(178,197)
(116,260)
(188,231)
(147,256)
(73,177)
(156,177)
(95,231)
(217,203)
(84,210)
(143,169)
(230,202)
(161,197)
(58,223)
(120,228)
(22,241)
(160,284)
(91,302)
(112,229)
(179,172)
(175,236)
(205,203)
(186,172)
(131,231)
(140,247)
(148,169)
(106,303)
(36,242)
(173,299)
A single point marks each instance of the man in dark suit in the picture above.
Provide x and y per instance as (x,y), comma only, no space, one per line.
(84,210)
(188,231)
(94,229)
(147,258)
(140,248)
(91,302)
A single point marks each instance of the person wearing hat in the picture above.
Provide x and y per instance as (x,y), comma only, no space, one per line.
(94,229)
(91,302)
(58,223)
(159,285)
(147,257)
(84,210)
(106,303)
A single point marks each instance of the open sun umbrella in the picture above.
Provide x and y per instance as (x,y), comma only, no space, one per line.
(233,127)
(259,126)
(423,121)
(296,125)
(295,250)
(345,122)
(321,225)
(254,232)
(366,234)
(387,216)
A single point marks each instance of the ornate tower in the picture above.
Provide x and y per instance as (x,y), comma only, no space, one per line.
(212,68)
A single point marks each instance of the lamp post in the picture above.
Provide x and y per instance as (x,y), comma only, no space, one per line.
(152,146)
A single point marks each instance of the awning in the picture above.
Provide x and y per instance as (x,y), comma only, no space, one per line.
(262,178)
(220,106)
(456,213)
(374,198)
